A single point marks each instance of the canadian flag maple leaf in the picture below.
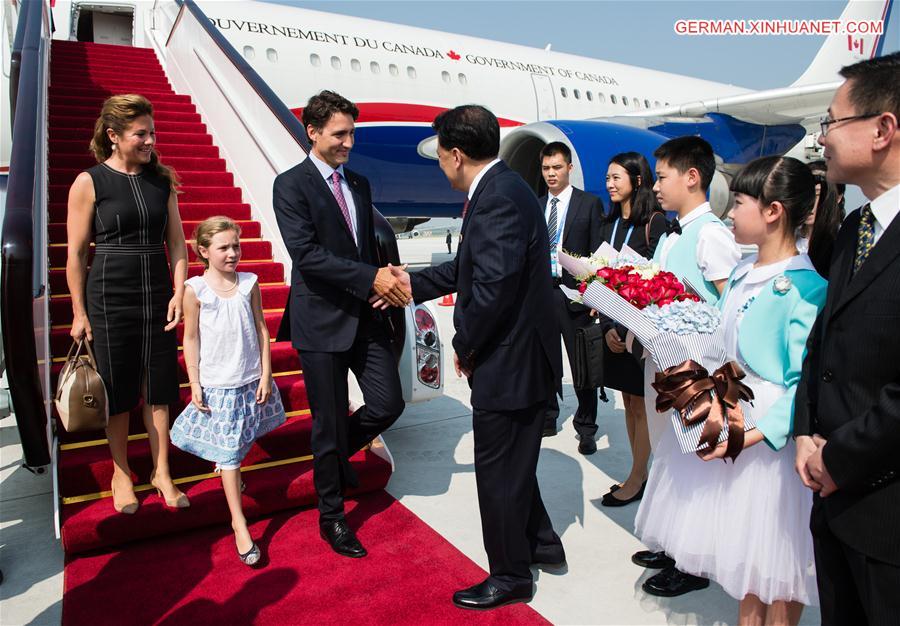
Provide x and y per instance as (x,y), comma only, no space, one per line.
(453,55)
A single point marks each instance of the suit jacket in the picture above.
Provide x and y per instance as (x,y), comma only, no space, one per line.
(582,232)
(849,393)
(331,276)
(506,328)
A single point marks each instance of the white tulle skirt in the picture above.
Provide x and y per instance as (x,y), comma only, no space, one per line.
(744,525)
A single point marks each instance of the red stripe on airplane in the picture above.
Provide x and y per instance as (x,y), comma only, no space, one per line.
(395,112)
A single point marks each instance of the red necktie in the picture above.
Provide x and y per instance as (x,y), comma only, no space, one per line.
(465,208)
(342,202)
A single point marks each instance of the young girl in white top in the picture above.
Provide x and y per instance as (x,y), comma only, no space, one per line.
(746,524)
(226,350)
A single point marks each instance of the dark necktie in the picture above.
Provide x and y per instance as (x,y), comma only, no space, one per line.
(865,237)
(674,227)
(465,208)
(552,222)
(342,202)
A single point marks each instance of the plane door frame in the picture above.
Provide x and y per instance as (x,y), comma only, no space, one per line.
(545,97)
(107,22)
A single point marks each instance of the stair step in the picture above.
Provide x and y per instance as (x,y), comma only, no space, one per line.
(88,115)
(189,193)
(64,147)
(249,229)
(59,102)
(250,251)
(79,163)
(84,126)
(88,470)
(116,85)
(94,524)
(273,297)
(187,178)
(162,138)
(268,272)
(189,211)
(62,68)
(100,95)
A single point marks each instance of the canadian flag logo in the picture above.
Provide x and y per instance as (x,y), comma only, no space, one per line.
(453,55)
(855,44)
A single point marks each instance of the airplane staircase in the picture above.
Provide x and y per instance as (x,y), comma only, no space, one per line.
(278,470)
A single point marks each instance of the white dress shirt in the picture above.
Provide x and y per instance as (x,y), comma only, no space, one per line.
(717,252)
(885,208)
(327,171)
(562,208)
(479,176)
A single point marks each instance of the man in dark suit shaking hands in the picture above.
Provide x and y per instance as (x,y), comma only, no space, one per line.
(574,223)
(847,409)
(506,344)
(325,216)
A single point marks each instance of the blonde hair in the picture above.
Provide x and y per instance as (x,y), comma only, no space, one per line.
(209,228)
(117,114)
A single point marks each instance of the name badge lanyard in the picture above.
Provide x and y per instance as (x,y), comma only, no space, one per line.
(554,262)
(612,240)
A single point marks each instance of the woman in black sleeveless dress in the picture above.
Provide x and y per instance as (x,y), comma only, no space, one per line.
(128,306)
(635,219)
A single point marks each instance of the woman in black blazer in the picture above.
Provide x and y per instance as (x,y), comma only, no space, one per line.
(635,219)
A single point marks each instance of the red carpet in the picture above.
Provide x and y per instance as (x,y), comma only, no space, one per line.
(196,578)
(82,76)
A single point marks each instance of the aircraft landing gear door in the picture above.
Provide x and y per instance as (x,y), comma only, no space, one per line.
(546,99)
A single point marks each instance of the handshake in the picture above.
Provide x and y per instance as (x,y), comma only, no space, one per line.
(391,287)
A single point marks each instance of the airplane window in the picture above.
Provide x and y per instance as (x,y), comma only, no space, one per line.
(656,103)
(577,94)
(589,95)
(445,76)
(462,79)
(601,98)
(667,104)
(625,100)
(411,71)
(272,55)
(249,52)
(314,60)
(355,65)
(394,70)
(335,63)
(564,92)
(646,104)
(612,98)
(375,68)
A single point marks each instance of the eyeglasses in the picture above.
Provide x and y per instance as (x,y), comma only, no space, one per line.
(825,122)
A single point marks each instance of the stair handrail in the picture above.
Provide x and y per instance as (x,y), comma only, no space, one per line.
(24,273)
(275,103)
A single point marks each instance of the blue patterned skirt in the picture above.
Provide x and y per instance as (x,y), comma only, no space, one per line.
(235,421)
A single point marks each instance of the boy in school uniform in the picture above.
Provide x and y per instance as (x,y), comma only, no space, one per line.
(700,250)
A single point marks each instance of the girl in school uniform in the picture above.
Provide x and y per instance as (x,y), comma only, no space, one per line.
(746,524)
(226,351)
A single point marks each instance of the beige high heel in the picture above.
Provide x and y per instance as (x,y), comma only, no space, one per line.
(178,502)
(128,508)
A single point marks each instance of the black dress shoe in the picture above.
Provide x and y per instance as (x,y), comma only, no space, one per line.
(549,431)
(672,582)
(587,446)
(610,500)
(485,595)
(341,539)
(652,560)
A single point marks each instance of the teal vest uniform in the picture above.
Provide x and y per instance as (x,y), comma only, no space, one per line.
(772,341)
(682,258)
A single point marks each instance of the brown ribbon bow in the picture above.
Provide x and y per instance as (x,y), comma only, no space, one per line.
(689,387)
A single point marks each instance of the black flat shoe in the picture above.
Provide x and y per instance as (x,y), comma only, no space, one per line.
(341,539)
(672,582)
(652,560)
(610,500)
(485,596)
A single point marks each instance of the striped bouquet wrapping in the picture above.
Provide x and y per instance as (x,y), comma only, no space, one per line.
(667,349)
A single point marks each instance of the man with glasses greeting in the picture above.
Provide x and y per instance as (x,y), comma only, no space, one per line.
(847,409)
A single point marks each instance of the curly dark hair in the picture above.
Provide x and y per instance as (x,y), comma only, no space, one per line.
(323,105)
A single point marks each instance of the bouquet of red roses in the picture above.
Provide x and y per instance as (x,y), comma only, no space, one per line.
(697,384)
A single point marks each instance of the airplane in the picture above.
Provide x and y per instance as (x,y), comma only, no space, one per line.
(401,77)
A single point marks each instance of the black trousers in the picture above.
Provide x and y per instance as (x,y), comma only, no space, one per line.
(336,435)
(585,419)
(853,588)
(514,523)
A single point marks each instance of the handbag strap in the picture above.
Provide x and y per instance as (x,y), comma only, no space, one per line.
(647,226)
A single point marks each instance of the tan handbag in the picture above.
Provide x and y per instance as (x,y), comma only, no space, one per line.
(80,392)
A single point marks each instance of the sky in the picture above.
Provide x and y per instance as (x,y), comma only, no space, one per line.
(636,32)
